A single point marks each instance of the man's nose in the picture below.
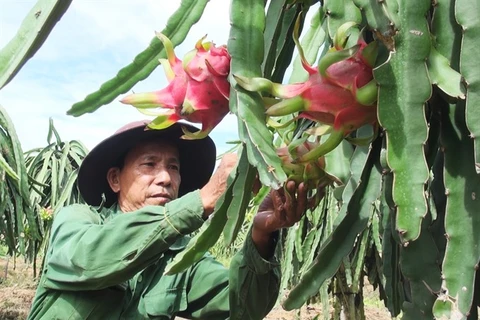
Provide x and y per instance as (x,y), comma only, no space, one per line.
(163,177)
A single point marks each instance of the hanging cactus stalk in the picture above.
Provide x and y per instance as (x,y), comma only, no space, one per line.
(198,89)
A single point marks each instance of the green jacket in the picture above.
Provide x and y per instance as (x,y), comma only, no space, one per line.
(108,265)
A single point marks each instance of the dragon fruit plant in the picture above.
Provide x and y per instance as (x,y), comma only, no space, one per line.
(198,89)
(340,92)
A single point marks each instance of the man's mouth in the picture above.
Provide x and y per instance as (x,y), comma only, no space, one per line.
(162,195)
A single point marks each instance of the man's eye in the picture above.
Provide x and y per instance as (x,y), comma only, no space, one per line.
(174,167)
(149,164)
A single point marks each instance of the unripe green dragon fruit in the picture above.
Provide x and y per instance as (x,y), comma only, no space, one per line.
(313,173)
(198,90)
(340,92)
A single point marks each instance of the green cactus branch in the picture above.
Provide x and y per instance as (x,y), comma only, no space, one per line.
(177,28)
(401,103)
(35,28)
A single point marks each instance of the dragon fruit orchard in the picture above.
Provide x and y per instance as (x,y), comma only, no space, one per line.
(198,89)
(340,92)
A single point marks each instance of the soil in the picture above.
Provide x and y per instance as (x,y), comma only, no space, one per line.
(17,290)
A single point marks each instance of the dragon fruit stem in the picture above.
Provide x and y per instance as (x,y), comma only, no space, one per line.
(167,68)
(168,45)
(187,108)
(364,141)
(260,84)
(306,65)
(145,100)
(334,139)
(370,53)
(164,120)
(194,135)
(253,84)
(287,106)
(366,95)
(341,36)
(277,125)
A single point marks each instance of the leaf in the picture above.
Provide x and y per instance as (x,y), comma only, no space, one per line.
(178,26)
(66,191)
(401,112)
(337,162)
(31,35)
(419,263)
(18,189)
(467,13)
(242,191)
(462,187)
(246,49)
(5,166)
(338,12)
(391,251)
(446,31)
(273,27)
(311,43)
(287,263)
(287,45)
(446,78)
(341,241)
(52,132)
(378,18)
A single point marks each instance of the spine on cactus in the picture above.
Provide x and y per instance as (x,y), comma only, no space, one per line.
(198,89)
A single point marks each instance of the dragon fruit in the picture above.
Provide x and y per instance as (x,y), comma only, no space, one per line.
(312,173)
(198,89)
(340,92)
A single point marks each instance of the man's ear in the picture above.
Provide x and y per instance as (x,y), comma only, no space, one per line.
(113,178)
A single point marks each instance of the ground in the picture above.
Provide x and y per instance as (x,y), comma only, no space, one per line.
(17,290)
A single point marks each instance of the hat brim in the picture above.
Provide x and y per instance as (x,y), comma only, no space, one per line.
(197,160)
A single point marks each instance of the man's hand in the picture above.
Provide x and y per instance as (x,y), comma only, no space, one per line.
(217,185)
(279,210)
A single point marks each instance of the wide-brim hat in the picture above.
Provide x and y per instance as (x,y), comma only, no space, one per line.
(197,159)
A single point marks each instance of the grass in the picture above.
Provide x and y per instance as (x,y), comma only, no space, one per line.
(17,288)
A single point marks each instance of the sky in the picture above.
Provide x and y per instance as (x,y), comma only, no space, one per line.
(87,47)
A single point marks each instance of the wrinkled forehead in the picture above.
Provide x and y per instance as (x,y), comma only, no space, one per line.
(153,148)
(156,146)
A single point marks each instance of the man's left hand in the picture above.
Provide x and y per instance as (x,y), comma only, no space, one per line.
(281,209)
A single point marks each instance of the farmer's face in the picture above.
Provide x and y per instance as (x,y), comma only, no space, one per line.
(150,176)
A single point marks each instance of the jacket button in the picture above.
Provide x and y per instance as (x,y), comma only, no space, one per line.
(140,278)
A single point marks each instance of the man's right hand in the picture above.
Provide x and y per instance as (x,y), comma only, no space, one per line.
(217,185)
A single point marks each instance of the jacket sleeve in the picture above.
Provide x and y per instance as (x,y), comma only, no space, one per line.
(247,290)
(86,255)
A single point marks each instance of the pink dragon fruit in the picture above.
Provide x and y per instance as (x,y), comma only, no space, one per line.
(198,90)
(340,92)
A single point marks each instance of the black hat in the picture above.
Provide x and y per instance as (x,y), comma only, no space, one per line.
(197,159)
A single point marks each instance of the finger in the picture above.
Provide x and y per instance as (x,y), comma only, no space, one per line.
(290,203)
(320,194)
(277,200)
(256,185)
(301,200)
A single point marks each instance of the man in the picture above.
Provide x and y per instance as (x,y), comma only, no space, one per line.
(146,190)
